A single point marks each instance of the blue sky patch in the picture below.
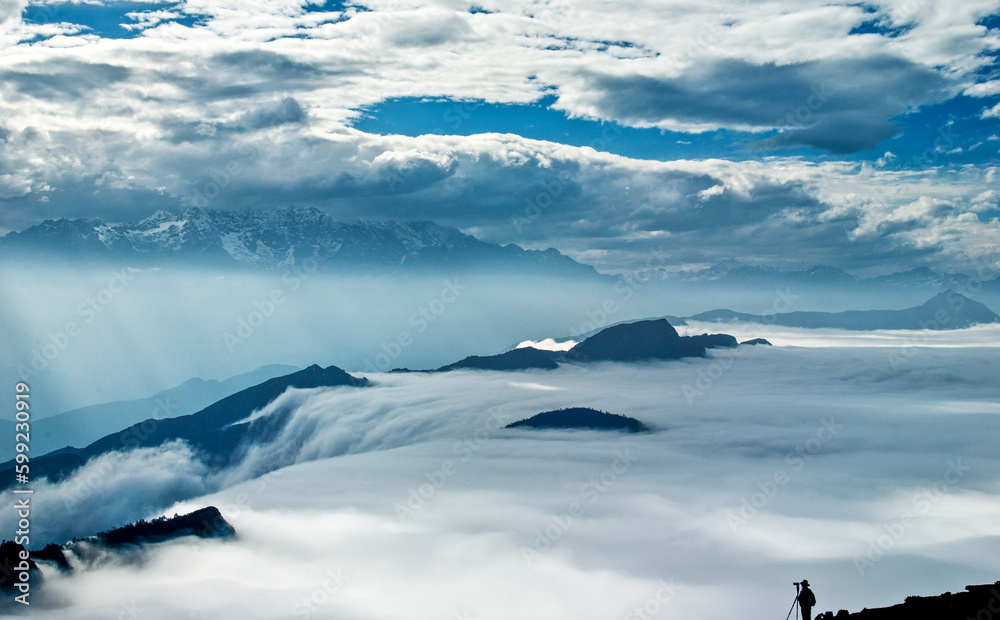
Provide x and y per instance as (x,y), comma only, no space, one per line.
(881,25)
(330,6)
(992,22)
(414,116)
(105,20)
(948,133)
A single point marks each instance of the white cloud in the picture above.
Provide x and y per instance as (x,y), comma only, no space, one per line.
(533,193)
(984,89)
(825,416)
(146,121)
(885,159)
(548,344)
(90,501)
(10,13)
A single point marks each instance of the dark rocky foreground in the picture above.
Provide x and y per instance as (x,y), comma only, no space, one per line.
(981,602)
(15,560)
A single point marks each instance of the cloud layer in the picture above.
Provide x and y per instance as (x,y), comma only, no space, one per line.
(809,476)
(244,107)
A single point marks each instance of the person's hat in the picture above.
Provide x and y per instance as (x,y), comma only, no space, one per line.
(805,582)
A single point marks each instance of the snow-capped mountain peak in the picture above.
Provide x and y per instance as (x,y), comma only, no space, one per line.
(279,239)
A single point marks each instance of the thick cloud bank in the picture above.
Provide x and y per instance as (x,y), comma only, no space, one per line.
(869,470)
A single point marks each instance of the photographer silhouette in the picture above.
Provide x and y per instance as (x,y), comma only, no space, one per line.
(806,600)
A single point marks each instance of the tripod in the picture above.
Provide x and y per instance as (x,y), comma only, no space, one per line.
(795,604)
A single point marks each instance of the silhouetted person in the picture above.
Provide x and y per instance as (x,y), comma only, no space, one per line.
(806,600)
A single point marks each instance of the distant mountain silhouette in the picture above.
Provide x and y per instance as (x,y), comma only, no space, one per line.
(277,239)
(580,418)
(210,431)
(675,321)
(947,310)
(641,340)
(755,341)
(80,427)
(645,340)
(818,284)
(958,606)
(732,273)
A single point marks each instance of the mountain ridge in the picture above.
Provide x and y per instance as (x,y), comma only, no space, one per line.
(277,239)
(640,340)
(83,425)
(212,432)
(944,311)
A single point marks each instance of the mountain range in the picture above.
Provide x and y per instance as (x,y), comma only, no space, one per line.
(305,237)
(632,341)
(947,310)
(822,283)
(279,239)
(732,272)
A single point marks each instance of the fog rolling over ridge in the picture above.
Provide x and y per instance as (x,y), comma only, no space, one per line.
(791,461)
(86,424)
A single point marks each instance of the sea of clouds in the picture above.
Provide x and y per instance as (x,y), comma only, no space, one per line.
(874,478)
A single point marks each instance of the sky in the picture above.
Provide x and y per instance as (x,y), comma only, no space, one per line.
(868,468)
(862,135)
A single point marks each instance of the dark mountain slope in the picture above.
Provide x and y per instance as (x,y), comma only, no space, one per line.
(204,523)
(653,339)
(208,431)
(82,426)
(645,340)
(517,359)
